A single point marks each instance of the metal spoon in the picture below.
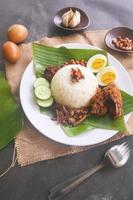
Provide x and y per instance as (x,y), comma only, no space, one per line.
(116,156)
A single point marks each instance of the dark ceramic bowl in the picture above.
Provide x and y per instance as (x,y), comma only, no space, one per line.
(84,23)
(115,32)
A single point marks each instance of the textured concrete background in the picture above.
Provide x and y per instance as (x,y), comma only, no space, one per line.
(33,182)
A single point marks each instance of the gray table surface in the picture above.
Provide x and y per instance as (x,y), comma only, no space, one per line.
(33,182)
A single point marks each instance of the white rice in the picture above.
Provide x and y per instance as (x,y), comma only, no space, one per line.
(71,94)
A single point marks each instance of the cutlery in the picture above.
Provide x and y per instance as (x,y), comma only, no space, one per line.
(117,156)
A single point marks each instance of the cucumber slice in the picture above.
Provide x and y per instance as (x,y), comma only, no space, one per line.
(39,69)
(41,81)
(42,92)
(45,103)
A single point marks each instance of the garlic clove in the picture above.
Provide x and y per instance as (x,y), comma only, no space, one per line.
(66,17)
(75,20)
(65,20)
(77,14)
(68,13)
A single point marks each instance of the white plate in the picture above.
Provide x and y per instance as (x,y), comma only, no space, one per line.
(49,128)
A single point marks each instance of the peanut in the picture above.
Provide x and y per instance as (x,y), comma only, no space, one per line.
(123,43)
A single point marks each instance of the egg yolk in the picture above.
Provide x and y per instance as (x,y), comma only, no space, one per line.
(98,63)
(108,77)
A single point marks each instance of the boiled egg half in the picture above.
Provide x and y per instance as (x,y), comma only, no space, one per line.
(106,76)
(97,62)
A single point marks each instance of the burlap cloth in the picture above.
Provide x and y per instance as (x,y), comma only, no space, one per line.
(31,145)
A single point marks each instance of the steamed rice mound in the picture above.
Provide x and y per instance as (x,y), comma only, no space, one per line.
(73,94)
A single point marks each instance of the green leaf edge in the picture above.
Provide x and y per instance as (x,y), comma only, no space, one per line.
(14,111)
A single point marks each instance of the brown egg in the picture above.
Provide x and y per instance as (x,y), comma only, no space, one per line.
(11,52)
(17,33)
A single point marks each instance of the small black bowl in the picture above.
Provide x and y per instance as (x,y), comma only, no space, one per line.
(115,32)
(84,22)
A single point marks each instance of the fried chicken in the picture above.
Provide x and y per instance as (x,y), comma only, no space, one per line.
(97,103)
(107,100)
(113,100)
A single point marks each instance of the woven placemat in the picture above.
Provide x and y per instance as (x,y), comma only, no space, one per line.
(31,145)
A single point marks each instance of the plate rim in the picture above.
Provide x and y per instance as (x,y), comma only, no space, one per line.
(56,140)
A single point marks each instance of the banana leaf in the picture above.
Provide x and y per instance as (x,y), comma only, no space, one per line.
(44,56)
(77,130)
(10,114)
(127,102)
(107,122)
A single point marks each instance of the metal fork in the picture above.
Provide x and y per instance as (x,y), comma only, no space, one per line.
(116,156)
